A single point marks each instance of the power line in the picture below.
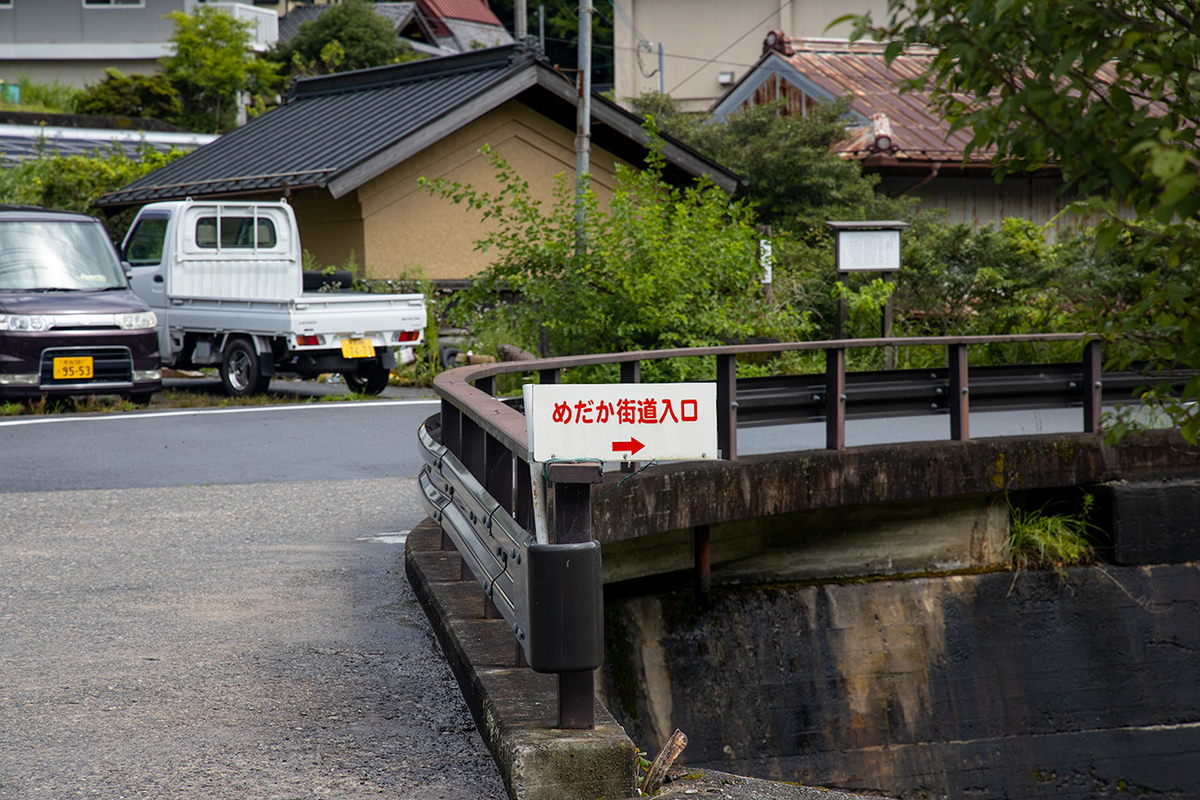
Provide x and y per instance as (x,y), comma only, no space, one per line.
(676,56)
(731,44)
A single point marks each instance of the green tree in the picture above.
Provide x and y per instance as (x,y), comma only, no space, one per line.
(74,183)
(344,37)
(793,178)
(1110,92)
(131,96)
(212,64)
(562,33)
(664,267)
(796,184)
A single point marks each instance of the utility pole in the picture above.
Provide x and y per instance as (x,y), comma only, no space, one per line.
(520,21)
(583,126)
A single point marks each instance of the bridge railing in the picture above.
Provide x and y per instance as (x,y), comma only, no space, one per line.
(478,485)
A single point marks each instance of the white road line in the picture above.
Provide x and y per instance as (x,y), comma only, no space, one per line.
(398,537)
(196,412)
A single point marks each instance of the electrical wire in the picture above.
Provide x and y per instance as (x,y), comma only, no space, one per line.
(731,44)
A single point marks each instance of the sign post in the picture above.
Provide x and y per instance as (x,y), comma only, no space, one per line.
(572,429)
(870,246)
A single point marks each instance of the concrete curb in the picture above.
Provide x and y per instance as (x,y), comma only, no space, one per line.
(515,708)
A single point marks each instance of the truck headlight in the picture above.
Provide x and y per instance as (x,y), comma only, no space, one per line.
(25,322)
(137,322)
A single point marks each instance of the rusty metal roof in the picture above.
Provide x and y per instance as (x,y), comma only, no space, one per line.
(470,10)
(829,69)
(860,71)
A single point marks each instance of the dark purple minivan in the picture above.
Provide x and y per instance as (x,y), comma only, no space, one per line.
(69,324)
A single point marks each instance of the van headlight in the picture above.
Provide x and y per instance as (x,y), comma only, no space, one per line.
(137,322)
(25,322)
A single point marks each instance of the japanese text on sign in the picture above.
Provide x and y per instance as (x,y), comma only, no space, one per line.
(627,412)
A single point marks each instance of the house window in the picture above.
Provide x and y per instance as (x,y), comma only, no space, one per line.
(106,3)
(235,232)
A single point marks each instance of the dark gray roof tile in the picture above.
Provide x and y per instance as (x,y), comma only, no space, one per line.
(340,125)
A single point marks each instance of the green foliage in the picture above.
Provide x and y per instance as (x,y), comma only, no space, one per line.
(1151,320)
(1038,539)
(562,33)
(45,97)
(795,183)
(121,95)
(212,62)
(664,267)
(1108,92)
(344,37)
(74,183)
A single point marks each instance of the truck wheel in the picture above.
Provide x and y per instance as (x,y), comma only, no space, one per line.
(371,377)
(240,371)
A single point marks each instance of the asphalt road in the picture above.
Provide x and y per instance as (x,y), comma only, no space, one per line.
(193,606)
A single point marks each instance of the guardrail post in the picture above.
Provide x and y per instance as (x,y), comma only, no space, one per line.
(1093,386)
(524,499)
(452,440)
(727,406)
(474,442)
(548,375)
(451,428)
(631,372)
(835,399)
(573,524)
(498,482)
(960,406)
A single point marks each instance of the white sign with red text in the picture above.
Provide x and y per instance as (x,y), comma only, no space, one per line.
(622,421)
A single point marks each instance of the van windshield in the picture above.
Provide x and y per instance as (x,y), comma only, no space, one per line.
(48,255)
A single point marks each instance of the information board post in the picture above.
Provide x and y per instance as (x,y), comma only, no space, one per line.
(868,246)
(572,430)
(572,482)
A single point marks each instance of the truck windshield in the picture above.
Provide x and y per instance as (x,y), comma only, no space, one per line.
(47,255)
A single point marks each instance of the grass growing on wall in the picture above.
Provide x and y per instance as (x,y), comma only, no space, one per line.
(1038,539)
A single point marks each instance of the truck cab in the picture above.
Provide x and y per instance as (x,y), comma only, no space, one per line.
(227,284)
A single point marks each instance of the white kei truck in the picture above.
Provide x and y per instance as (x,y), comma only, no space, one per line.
(227,284)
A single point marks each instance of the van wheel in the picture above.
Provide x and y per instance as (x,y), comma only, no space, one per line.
(371,378)
(240,371)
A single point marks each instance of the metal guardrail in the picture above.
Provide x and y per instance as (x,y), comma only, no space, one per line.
(493,547)
(478,485)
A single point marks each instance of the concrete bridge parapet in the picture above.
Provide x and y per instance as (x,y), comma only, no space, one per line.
(887,509)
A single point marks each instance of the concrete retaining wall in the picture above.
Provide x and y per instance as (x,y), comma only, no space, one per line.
(998,685)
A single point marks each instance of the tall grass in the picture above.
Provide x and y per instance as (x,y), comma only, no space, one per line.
(1038,539)
(48,97)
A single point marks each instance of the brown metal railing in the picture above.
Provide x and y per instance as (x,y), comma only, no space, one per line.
(485,437)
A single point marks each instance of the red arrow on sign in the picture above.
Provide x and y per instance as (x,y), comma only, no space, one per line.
(633,446)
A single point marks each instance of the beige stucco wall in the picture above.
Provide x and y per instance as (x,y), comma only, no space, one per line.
(408,231)
(731,34)
(331,230)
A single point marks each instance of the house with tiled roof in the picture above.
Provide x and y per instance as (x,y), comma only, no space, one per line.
(432,27)
(347,151)
(895,134)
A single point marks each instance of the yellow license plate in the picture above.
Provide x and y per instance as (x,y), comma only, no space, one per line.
(358,348)
(73,368)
